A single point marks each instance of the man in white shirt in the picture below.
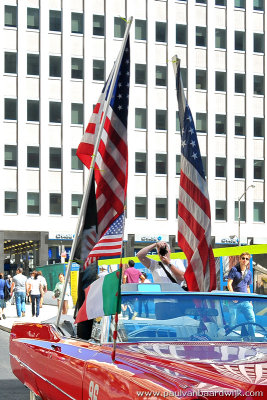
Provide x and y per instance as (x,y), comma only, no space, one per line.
(166,270)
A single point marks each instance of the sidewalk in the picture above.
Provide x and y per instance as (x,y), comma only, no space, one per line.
(49,310)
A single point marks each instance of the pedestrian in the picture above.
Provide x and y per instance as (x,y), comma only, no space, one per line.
(58,292)
(35,290)
(165,270)
(19,288)
(239,280)
(132,274)
(28,283)
(4,289)
(44,286)
(143,301)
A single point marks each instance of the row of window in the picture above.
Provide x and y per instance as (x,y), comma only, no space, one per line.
(140,73)
(77,26)
(161,118)
(258,5)
(220,38)
(55,162)
(55,206)
(33,203)
(33,157)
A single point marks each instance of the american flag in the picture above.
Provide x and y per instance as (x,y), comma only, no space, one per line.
(194,220)
(110,244)
(111,163)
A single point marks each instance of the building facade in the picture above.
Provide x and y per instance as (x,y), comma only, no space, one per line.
(55,57)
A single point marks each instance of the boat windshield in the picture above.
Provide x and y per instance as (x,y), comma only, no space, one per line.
(191,317)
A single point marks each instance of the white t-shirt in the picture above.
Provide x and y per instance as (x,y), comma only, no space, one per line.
(42,279)
(35,286)
(158,273)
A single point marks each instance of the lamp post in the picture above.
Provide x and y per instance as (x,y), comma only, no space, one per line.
(239,199)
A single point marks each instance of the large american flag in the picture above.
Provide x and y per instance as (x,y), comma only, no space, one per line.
(194,220)
(111,163)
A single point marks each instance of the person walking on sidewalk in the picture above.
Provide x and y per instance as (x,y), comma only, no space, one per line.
(19,288)
(3,285)
(35,288)
(42,279)
(58,291)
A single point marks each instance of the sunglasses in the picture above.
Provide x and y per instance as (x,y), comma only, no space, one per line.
(244,258)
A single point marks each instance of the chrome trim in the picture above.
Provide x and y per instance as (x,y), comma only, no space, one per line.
(40,376)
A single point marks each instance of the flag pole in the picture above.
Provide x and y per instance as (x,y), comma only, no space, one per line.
(80,221)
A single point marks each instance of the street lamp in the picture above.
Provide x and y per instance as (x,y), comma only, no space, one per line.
(239,199)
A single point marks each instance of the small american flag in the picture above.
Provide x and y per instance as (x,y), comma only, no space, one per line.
(110,243)
(194,220)
(111,163)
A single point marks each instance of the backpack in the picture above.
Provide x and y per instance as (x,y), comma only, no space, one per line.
(6,293)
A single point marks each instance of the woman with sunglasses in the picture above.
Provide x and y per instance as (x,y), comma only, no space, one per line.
(239,279)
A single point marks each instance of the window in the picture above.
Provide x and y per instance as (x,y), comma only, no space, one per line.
(140,29)
(10,63)
(181,34)
(242,211)
(140,74)
(33,110)
(258,169)
(32,18)
(76,202)
(55,66)
(33,64)
(76,22)
(161,208)
(11,202)
(161,75)
(77,68)
(33,157)
(141,207)
(220,210)
(140,118)
(258,5)
(201,122)
(259,84)
(204,163)
(220,167)
(55,157)
(119,27)
(98,70)
(240,41)
(11,111)
(161,164)
(258,212)
(240,83)
(76,113)
(98,25)
(220,2)
(178,164)
(240,168)
(140,163)
(55,203)
(161,120)
(220,81)
(55,21)
(201,36)
(184,77)
(76,164)
(11,155)
(220,38)
(11,16)
(259,128)
(201,79)
(33,203)
(161,32)
(201,1)
(240,126)
(258,42)
(55,112)
(240,4)
(220,120)
(178,126)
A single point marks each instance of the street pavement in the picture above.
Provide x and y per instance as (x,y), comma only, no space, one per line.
(48,311)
